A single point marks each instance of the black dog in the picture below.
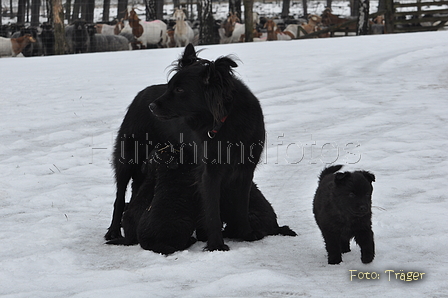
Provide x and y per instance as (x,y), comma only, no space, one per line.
(168,223)
(166,210)
(342,209)
(228,132)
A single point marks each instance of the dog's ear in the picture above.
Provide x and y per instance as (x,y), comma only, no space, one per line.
(188,58)
(218,80)
(340,178)
(369,176)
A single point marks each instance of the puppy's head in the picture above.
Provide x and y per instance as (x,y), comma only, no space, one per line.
(353,192)
(199,87)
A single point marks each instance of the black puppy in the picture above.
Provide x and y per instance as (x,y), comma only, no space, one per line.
(342,209)
(168,223)
(228,131)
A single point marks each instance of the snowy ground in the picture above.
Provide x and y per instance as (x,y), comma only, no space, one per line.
(377,103)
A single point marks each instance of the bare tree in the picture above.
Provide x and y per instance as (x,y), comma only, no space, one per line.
(122,8)
(35,9)
(106,8)
(285,8)
(21,12)
(58,25)
(87,10)
(235,6)
(248,20)
(363,18)
(205,15)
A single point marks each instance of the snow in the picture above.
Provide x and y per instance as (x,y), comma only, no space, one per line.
(377,103)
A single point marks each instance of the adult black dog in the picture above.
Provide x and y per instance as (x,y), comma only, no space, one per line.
(218,119)
(342,209)
(228,128)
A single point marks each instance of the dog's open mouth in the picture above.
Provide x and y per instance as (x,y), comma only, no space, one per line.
(156,111)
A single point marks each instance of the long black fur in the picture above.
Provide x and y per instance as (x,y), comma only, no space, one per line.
(342,209)
(206,95)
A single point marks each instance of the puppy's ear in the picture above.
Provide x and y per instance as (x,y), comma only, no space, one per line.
(369,176)
(340,178)
(188,58)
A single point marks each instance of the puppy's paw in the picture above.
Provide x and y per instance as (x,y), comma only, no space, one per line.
(113,234)
(367,258)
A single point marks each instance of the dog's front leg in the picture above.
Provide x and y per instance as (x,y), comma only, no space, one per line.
(239,192)
(364,238)
(211,195)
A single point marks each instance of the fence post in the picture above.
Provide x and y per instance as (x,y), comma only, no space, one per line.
(389,16)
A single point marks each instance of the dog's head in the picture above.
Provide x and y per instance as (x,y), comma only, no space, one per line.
(353,192)
(199,88)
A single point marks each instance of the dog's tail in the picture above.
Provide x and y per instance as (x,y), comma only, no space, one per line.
(329,170)
(286,231)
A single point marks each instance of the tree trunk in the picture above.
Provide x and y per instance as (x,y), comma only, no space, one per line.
(285,8)
(363,18)
(11,11)
(68,10)
(76,10)
(248,20)
(122,9)
(159,9)
(176,4)
(329,4)
(49,5)
(87,10)
(106,8)
(235,6)
(389,17)
(354,11)
(58,25)
(305,8)
(205,15)
(35,9)
(21,12)
(150,11)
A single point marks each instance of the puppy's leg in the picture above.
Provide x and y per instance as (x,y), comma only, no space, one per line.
(345,243)
(364,238)
(332,245)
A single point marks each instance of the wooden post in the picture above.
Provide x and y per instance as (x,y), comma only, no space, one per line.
(58,25)
(389,17)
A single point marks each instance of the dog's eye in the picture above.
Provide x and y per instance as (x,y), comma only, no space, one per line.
(351,195)
(178,90)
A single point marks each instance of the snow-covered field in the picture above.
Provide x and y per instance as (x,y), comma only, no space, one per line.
(377,103)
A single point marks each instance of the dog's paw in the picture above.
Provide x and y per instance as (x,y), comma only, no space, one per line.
(113,234)
(334,260)
(367,259)
(222,247)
